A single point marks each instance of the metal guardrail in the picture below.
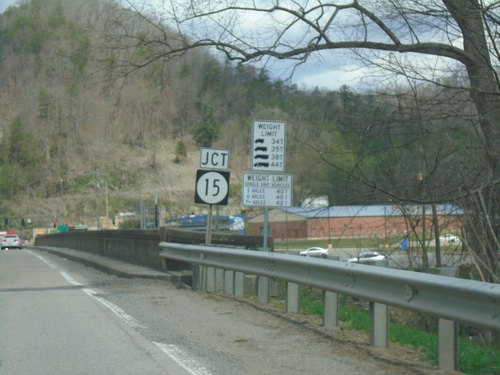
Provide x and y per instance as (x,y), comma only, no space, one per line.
(453,300)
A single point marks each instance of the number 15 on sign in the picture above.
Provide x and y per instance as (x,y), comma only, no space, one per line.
(212,187)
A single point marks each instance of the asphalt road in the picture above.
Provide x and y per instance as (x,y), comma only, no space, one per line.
(51,323)
(58,316)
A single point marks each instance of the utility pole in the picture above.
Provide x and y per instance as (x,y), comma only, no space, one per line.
(97,196)
(107,207)
(156,211)
(425,258)
(142,212)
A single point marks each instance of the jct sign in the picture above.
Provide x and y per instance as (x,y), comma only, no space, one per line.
(268,146)
(214,158)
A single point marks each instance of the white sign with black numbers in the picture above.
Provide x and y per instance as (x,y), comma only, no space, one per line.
(212,187)
(268,146)
(267,190)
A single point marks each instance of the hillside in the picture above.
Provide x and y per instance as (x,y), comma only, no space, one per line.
(74,124)
(76,108)
(171,182)
(90,95)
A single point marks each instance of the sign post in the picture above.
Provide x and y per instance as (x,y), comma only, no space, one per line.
(268,155)
(208,235)
(212,184)
(212,188)
(267,190)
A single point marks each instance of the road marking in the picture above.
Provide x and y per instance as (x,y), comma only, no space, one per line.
(130,320)
(173,351)
(183,359)
(47,262)
(115,309)
(69,279)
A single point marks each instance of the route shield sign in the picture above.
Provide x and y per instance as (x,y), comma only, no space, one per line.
(268,146)
(267,190)
(212,187)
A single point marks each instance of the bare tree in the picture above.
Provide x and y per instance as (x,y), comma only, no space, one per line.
(426,40)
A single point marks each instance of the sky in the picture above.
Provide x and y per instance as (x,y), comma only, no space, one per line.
(311,75)
(315,73)
(4,4)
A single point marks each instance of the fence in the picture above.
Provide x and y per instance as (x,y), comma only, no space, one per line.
(452,300)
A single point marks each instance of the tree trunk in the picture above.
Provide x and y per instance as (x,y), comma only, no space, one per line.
(435,225)
(485,94)
(482,78)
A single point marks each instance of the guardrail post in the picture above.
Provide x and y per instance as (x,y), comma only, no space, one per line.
(239,284)
(229,282)
(447,345)
(163,263)
(197,276)
(202,279)
(292,298)
(210,279)
(219,280)
(379,324)
(330,309)
(263,290)
(458,299)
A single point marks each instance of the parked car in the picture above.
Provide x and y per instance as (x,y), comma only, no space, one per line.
(366,257)
(449,238)
(317,252)
(11,241)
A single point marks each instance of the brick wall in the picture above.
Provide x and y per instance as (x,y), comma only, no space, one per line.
(376,226)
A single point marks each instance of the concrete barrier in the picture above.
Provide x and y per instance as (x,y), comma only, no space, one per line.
(141,246)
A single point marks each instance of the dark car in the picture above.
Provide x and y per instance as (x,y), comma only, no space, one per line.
(11,241)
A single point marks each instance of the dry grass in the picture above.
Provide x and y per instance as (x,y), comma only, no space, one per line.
(155,173)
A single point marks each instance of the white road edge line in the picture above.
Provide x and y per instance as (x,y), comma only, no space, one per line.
(115,309)
(182,358)
(69,279)
(130,320)
(47,262)
(173,351)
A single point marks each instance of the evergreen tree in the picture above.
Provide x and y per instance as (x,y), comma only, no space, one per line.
(207,131)
(180,151)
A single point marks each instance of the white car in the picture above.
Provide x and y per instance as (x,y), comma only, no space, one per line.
(11,241)
(317,252)
(367,257)
(449,238)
